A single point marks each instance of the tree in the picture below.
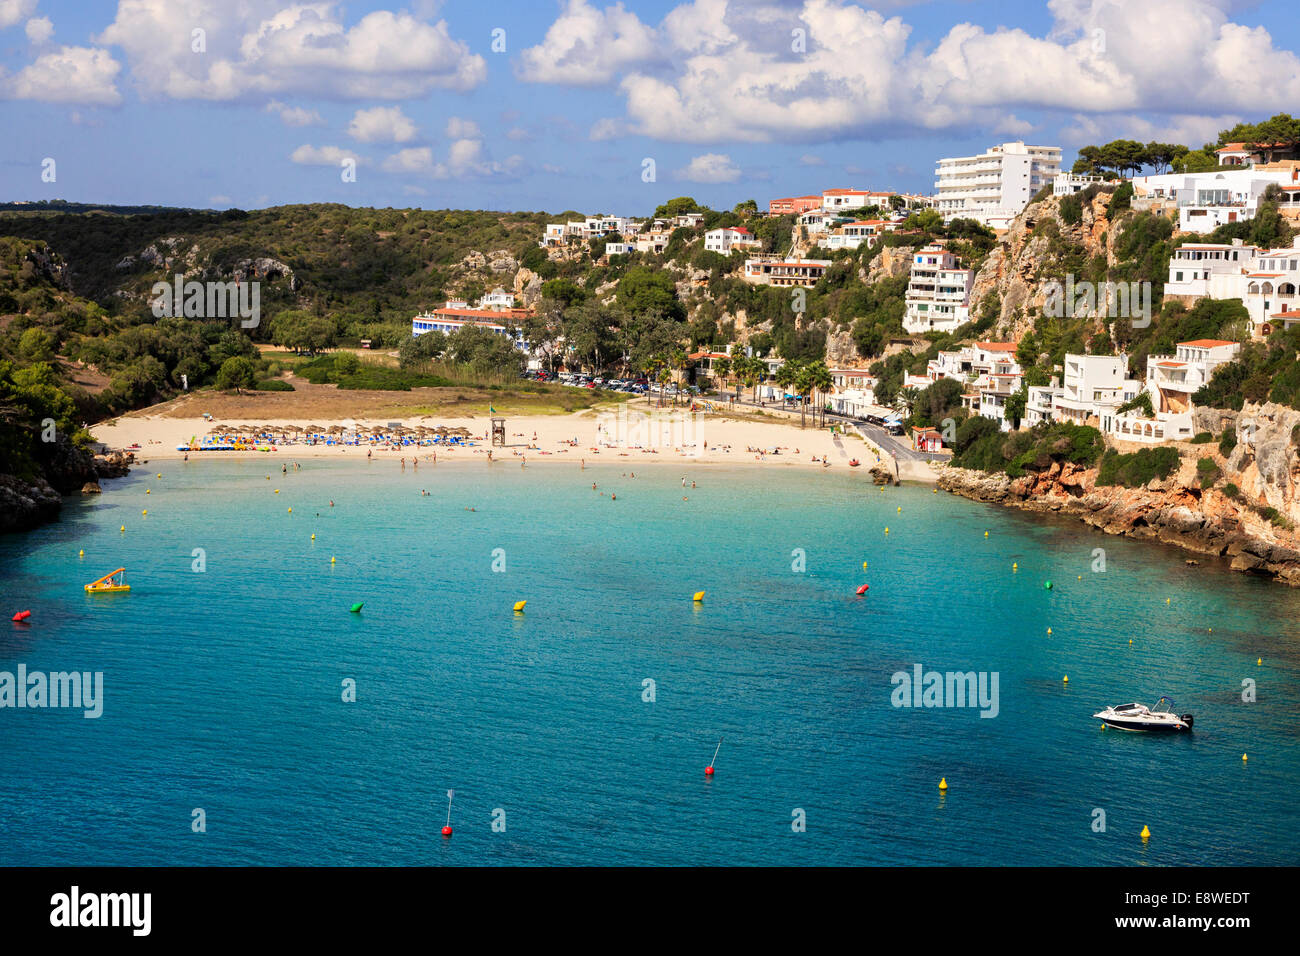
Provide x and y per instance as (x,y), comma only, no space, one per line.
(676,207)
(1277,133)
(564,291)
(37,345)
(1014,408)
(644,289)
(346,363)
(237,373)
(747,208)
(819,381)
(419,350)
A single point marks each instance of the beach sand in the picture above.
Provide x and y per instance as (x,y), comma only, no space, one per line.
(597,433)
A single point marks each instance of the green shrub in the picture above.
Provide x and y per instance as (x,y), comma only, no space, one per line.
(1208,471)
(1137,469)
(1231,490)
(274,385)
(1227,442)
(1202,438)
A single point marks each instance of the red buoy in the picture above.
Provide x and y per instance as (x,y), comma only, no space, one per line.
(22,615)
(708,771)
(864,589)
(446,831)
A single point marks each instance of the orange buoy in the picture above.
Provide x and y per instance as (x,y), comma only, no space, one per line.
(864,588)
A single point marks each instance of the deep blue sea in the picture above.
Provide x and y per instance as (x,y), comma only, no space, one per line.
(223,687)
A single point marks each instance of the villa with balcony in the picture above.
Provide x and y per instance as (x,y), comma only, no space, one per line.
(778,271)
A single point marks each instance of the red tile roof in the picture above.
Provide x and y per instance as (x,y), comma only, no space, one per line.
(1207,343)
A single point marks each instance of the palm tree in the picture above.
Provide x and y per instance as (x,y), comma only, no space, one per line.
(786,375)
(819,379)
(722,369)
(803,385)
(907,399)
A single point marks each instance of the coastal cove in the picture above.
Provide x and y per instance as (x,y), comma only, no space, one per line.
(223,687)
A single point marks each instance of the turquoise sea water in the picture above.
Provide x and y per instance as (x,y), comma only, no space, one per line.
(223,688)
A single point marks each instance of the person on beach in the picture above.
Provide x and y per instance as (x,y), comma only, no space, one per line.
(284,469)
(331,503)
(369,452)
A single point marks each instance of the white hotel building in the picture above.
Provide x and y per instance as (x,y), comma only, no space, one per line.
(938,293)
(995,186)
(1267,281)
(1205,201)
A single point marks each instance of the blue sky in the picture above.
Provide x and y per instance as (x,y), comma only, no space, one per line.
(730,100)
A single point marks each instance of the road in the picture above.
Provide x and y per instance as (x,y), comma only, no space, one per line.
(894,444)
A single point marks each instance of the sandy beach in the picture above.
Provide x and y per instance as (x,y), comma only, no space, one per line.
(641,436)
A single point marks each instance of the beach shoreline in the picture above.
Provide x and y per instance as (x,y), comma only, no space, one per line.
(536,439)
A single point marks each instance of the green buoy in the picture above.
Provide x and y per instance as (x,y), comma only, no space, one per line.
(1048,585)
(356,608)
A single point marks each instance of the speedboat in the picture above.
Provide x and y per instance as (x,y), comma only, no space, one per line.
(1141,717)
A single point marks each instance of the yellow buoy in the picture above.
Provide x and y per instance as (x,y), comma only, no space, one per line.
(943,783)
(123,528)
(143,513)
(1049,632)
(936,491)
(160,474)
(1259,661)
(1014,566)
(1146,834)
(81,553)
(1065,679)
(277,491)
(519,607)
(1130,640)
(900,509)
(1081,577)
(864,565)
(1166,600)
(886,531)
(1243,756)
(332,560)
(148,492)
(699,596)
(313,537)
(986,534)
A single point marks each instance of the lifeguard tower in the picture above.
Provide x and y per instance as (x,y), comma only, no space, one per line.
(499,432)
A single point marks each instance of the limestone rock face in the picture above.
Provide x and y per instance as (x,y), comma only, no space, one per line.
(1176,510)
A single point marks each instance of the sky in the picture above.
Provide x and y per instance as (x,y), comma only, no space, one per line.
(594,106)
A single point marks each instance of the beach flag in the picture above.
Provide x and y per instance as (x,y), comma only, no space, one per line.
(491,410)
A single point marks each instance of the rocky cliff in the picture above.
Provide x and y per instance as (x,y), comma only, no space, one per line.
(1231,519)
(31,501)
(1031,251)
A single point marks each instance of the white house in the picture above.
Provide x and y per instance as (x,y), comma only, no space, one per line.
(853,392)
(497,299)
(775,270)
(724,240)
(1205,201)
(1267,281)
(1093,386)
(843,200)
(1171,382)
(994,186)
(1067,184)
(850,235)
(938,292)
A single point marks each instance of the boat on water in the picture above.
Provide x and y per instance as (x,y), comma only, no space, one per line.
(854,463)
(112,583)
(1159,718)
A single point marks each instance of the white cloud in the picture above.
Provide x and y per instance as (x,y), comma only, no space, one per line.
(587,47)
(518,134)
(714,71)
(296,116)
(808,159)
(458,128)
(73,74)
(607,128)
(383,124)
(710,168)
(39,30)
(416,159)
(14,11)
(262,46)
(220,201)
(308,155)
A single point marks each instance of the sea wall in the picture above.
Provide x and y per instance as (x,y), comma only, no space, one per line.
(1173,511)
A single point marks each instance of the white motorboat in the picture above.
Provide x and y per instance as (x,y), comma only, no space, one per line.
(1140,717)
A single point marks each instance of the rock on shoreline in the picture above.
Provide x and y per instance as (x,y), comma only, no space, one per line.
(27,503)
(1175,511)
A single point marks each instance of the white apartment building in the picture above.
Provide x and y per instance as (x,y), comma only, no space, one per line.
(1040,402)
(938,292)
(618,248)
(994,187)
(817,220)
(654,242)
(724,240)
